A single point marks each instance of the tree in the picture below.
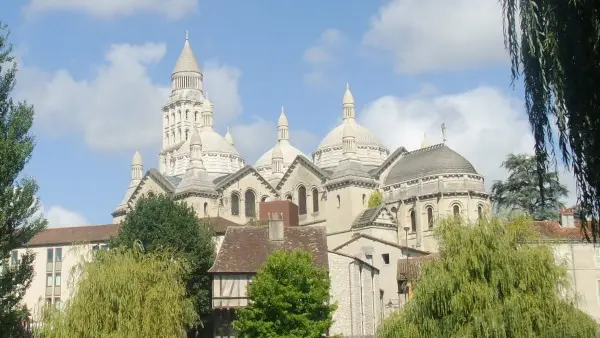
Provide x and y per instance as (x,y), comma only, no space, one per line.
(375,199)
(19,217)
(491,280)
(159,222)
(288,298)
(521,190)
(553,44)
(124,293)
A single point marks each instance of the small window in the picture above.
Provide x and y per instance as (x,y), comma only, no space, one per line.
(48,301)
(250,204)
(57,302)
(264,199)
(58,255)
(57,279)
(289,197)
(235,204)
(315,199)
(369,258)
(50,256)
(364,197)
(95,249)
(205,208)
(402,287)
(413,221)
(456,211)
(104,247)
(14,257)
(386,258)
(430,217)
(339,201)
(49,279)
(302,200)
(480,211)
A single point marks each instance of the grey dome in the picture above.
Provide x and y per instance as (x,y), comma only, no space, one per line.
(434,160)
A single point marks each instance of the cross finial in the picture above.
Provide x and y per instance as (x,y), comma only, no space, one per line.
(347,86)
(187,36)
(444,132)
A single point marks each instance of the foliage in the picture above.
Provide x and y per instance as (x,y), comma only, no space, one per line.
(160,222)
(521,190)
(125,293)
(491,280)
(19,218)
(375,199)
(555,44)
(289,298)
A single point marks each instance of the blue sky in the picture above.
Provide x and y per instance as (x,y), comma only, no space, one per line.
(98,72)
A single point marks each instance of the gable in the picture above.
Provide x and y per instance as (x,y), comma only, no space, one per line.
(378,216)
(153,182)
(381,172)
(307,169)
(245,177)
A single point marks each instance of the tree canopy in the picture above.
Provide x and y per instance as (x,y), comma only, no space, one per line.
(289,297)
(554,46)
(124,293)
(159,223)
(375,199)
(490,280)
(521,190)
(19,218)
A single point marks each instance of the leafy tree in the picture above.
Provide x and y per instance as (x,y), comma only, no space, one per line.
(289,298)
(124,293)
(159,222)
(553,45)
(19,220)
(375,199)
(521,190)
(487,283)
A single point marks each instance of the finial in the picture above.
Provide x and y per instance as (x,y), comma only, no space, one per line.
(282,110)
(444,132)
(347,86)
(187,36)
(228,129)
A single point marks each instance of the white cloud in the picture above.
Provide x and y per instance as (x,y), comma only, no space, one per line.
(172,9)
(482,124)
(58,216)
(435,35)
(321,54)
(261,135)
(119,108)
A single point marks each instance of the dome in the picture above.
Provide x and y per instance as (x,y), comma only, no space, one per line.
(430,161)
(369,149)
(289,155)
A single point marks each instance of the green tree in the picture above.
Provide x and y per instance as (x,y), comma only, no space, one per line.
(521,190)
(19,220)
(159,222)
(124,293)
(289,298)
(553,45)
(491,280)
(375,199)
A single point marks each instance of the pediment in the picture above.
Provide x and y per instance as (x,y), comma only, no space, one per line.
(239,175)
(301,161)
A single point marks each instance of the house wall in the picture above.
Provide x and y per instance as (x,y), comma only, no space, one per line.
(230,290)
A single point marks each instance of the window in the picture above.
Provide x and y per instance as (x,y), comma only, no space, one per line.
(48,301)
(57,302)
(402,287)
(187,134)
(187,115)
(369,258)
(394,210)
(95,249)
(339,201)
(315,198)
(14,257)
(430,217)
(235,204)
(49,279)
(480,211)
(413,221)
(250,203)
(205,208)
(456,211)
(288,197)
(597,249)
(302,200)
(50,256)
(264,198)
(364,197)
(57,279)
(196,116)
(103,247)
(386,258)
(58,255)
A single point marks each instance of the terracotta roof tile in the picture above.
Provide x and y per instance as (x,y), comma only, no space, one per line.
(553,230)
(410,269)
(70,235)
(245,249)
(219,224)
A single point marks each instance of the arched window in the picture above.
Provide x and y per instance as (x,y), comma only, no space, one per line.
(205,208)
(187,134)
(480,211)
(235,204)
(413,221)
(167,119)
(339,201)
(364,197)
(315,198)
(394,210)
(456,211)
(288,197)
(430,217)
(250,203)
(302,200)
(187,115)
(264,198)
(179,116)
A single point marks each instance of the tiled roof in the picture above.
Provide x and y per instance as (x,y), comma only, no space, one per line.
(552,230)
(70,235)
(410,269)
(219,224)
(245,249)
(357,235)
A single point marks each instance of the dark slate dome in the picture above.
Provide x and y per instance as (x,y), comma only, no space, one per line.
(435,160)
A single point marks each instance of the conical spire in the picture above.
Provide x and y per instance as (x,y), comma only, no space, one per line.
(137,167)
(187,61)
(348,104)
(283,127)
(425,142)
(207,113)
(229,137)
(195,177)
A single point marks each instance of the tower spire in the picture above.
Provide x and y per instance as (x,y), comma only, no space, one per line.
(283,127)
(348,104)
(207,113)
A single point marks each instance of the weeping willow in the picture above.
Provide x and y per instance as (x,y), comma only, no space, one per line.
(555,46)
(125,293)
(488,283)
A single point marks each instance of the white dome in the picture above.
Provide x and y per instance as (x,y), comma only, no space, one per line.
(264,163)
(219,156)
(369,149)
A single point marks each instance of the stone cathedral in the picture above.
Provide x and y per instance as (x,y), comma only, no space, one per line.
(331,187)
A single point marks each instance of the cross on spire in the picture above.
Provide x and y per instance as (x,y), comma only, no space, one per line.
(187,36)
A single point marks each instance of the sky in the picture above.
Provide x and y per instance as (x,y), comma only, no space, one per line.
(98,72)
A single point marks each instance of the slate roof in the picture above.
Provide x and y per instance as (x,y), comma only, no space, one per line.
(71,235)
(369,216)
(410,269)
(245,249)
(435,160)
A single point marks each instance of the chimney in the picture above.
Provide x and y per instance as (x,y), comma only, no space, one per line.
(567,219)
(276,227)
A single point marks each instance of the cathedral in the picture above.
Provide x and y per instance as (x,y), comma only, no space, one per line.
(330,188)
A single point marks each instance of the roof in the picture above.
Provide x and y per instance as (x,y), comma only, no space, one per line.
(370,215)
(245,249)
(552,230)
(355,258)
(410,269)
(187,61)
(350,169)
(435,160)
(72,235)
(219,223)
(357,235)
